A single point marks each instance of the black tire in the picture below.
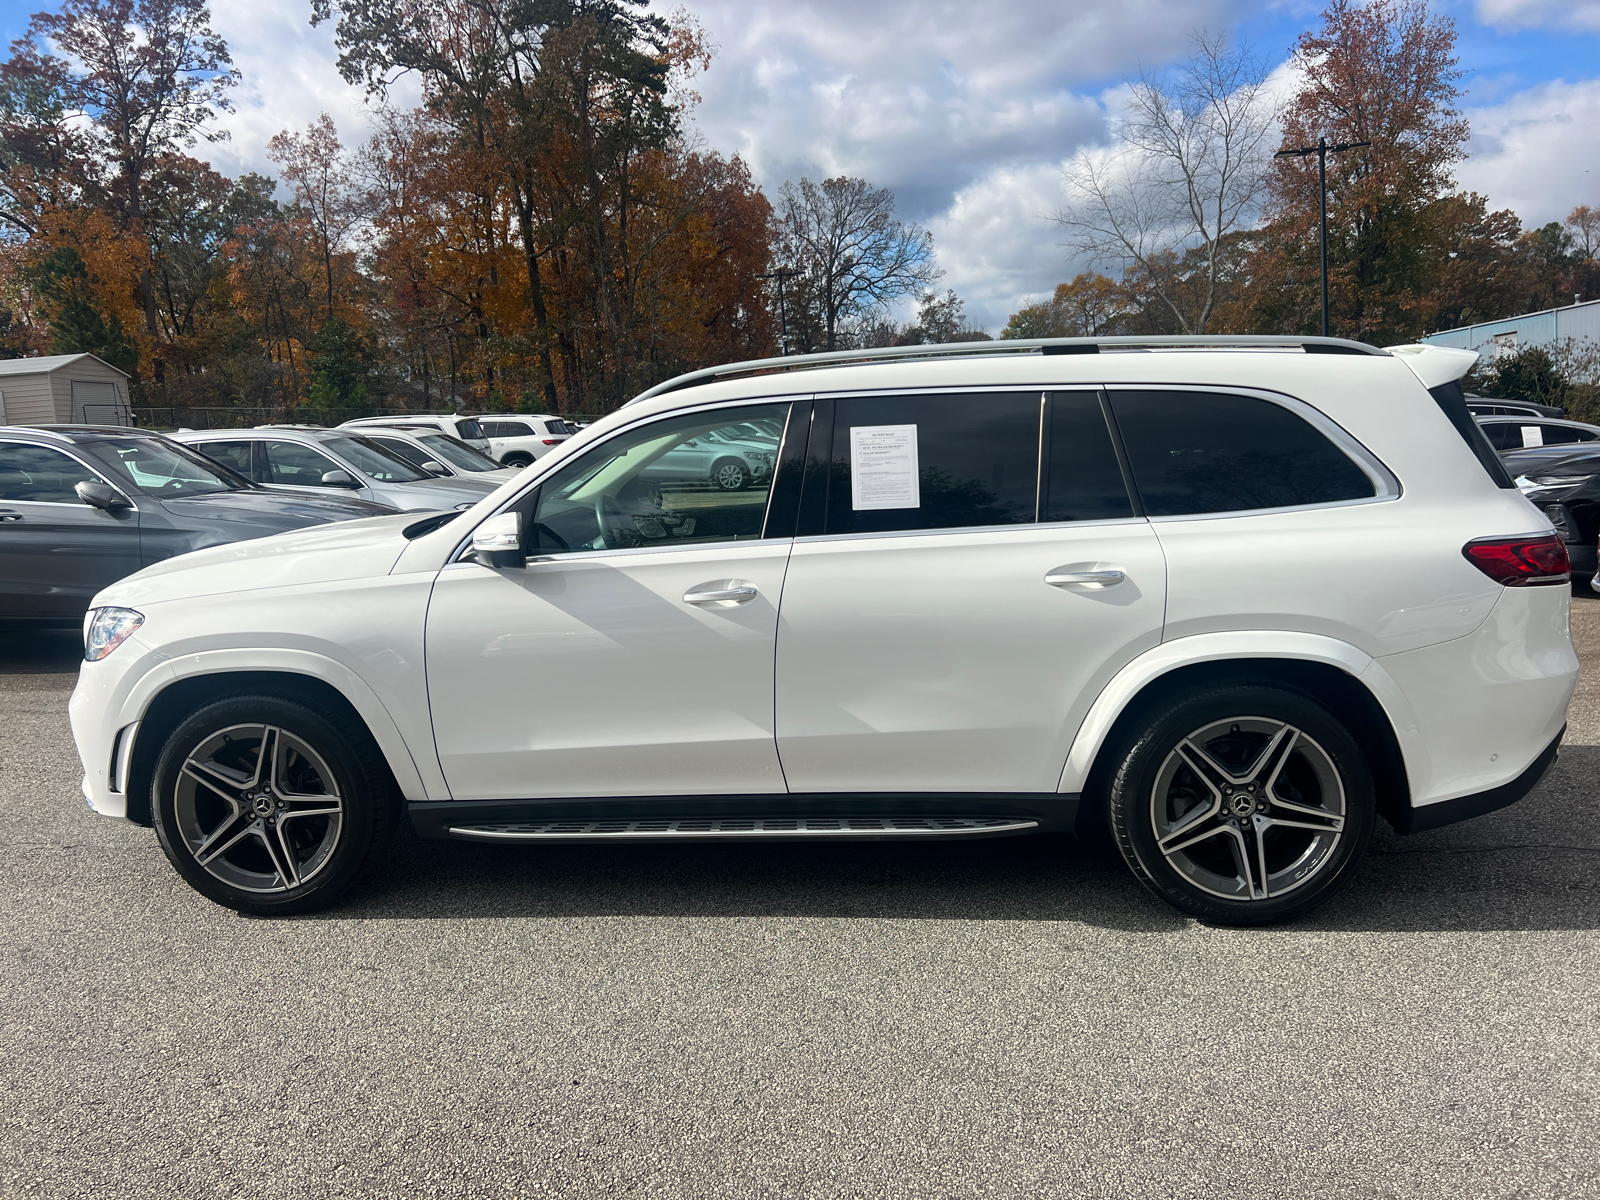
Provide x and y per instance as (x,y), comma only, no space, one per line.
(1155,792)
(334,745)
(517,460)
(725,470)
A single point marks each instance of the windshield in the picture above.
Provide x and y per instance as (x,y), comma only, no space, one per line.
(457,454)
(374,460)
(166,468)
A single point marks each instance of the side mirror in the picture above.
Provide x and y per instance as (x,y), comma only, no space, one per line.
(498,541)
(338,479)
(433,468)
(101,495)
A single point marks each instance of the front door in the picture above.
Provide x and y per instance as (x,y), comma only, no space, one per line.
(633,655)
(951,610)
(56,551)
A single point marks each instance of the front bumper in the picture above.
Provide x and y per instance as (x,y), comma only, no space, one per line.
(101,726)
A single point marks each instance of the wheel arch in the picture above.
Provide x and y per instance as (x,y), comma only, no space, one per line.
(165,708)
(1339,681)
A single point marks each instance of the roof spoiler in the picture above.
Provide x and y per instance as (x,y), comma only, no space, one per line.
(1436,365)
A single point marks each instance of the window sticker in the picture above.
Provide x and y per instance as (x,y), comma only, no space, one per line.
(883,467)
(1532,435)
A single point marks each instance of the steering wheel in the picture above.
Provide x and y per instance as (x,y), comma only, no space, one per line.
(604,508)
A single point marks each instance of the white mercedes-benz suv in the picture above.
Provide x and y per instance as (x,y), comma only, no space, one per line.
(1233,599)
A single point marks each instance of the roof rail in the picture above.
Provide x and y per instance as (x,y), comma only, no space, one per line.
(1044,346)
(41,430)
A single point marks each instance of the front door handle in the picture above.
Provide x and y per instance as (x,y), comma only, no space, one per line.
(1108,577)
(741,593)
(9,514)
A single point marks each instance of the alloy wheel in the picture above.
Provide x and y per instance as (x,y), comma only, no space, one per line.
(258,808)
(1248,808)
(730,477)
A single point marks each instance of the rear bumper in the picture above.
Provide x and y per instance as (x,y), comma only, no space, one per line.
(1464,808)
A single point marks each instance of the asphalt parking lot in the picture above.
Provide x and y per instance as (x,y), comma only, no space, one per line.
(1006,1018)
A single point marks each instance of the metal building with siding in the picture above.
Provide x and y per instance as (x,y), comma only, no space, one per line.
(1580,322)
(63,389)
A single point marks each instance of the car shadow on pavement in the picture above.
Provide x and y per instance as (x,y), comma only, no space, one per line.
(40,651)
(1532,866)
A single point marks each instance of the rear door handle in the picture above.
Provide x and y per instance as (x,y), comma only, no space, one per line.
(1108,577)
(738,594)
(9,514)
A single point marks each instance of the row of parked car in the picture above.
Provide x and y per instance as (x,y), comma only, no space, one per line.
(1555,464)
(81,507)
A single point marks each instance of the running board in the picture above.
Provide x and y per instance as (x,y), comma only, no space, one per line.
(716,829)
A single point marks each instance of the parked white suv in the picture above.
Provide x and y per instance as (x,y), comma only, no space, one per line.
(464,429)
(520,441)
(1235,598)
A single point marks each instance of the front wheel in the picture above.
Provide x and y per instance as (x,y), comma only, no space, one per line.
(269,808)
(517,460)
(730,474)
(1242,805)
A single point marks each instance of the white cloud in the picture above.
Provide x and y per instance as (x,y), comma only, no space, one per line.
(1531,153)
(1508,15)
(288,76)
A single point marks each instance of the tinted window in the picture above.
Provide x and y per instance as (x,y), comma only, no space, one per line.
(1194,452)
(383,465)
(1556,435)
(39,473)
(297,465)
(1083,481)
(447,450)
(665,483)
(230,454)
(468,429)
(933,462)
(1503,436)
(509,429)
(407,451)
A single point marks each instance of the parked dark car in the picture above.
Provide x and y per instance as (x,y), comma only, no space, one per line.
(1564,481)
(80,507)
(1482,406)
(1519,433)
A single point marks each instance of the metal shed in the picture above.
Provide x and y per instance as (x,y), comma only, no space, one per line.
(63,389)
(1580,322)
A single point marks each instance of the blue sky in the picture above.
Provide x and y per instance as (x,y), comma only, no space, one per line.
(969,111)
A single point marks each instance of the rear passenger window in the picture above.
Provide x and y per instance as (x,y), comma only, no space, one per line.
(40,474)
(933,462)
(1083,481)
(230,454)
(1195,452)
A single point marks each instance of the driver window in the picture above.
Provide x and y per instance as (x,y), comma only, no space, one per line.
(698,478)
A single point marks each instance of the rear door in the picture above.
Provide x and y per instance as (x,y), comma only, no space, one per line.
(951,609)
(56,551)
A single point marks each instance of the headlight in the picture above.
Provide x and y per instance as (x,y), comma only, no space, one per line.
(104,629)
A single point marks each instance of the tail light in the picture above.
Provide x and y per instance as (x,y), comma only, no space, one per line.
(552,441)
(1521,561)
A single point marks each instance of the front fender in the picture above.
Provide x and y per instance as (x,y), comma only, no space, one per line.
(414,783)
(1219,647)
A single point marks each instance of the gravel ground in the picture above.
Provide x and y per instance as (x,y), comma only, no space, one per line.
(1005,1018)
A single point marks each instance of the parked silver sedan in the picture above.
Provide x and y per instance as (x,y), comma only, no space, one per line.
(312,459)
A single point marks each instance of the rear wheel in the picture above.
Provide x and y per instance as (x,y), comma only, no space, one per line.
(267,807)
(517,459)
(1242,805)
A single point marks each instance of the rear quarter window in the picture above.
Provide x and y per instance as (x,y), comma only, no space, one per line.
(1203,452)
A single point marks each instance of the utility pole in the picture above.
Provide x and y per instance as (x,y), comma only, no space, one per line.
(780,275)
(1322,149)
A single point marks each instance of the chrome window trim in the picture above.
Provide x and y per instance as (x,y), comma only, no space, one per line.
(550,469)
(971,530)
(90,467)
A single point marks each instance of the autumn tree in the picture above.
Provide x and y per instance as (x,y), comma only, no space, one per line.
(149,76)
(1186,172)
(854,257)
(315,167)
(1383,72)
(1090,305)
